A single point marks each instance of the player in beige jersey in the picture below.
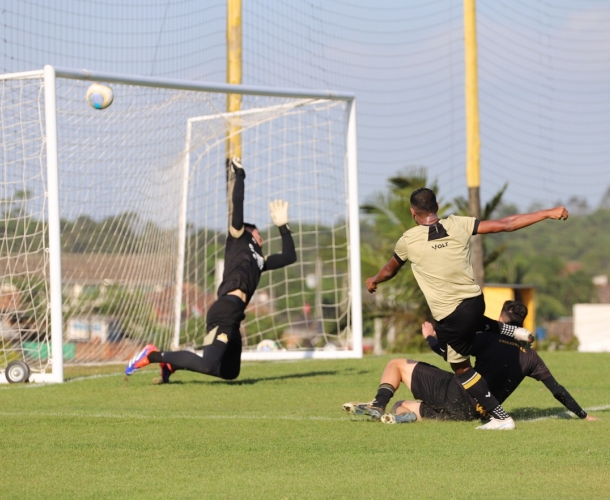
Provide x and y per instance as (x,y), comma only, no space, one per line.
(439,252)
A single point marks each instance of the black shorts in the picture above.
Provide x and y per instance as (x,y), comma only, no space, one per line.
(442,396)
(223,356)
(459,329)
(228,310)
(222,345)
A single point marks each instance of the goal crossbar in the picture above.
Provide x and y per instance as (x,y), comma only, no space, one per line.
(223,88)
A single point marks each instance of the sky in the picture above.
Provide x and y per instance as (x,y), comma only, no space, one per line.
(544,76)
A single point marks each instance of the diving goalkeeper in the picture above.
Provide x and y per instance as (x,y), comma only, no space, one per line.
(244,263)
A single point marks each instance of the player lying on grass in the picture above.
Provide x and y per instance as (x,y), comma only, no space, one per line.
(503,362)
(244,263)
(439,251)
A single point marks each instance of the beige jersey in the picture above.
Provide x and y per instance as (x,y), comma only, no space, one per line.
(440,259)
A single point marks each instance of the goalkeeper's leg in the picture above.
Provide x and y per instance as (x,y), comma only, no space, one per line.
(221,358)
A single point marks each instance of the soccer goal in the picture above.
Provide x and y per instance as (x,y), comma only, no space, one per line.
(114,220)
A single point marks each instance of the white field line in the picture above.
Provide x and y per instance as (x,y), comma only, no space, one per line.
(133,416)
(38,385)
(105,375)
(563,414)
(63,414)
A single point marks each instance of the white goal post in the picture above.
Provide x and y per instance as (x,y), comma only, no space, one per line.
(112,222)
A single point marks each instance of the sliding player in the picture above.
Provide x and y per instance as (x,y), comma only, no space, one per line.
(244,263)
(439,251)
(503,362)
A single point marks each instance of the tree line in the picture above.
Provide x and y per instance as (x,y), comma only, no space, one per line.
(558,259)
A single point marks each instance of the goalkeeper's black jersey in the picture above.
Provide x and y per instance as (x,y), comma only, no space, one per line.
(244,263)
(504,363)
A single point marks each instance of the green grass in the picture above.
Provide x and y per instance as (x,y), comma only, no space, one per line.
(279,432)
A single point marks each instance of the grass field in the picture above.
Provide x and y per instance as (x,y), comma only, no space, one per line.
(279,432)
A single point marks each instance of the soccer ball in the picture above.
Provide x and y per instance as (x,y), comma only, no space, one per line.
(99,96)
(267,345)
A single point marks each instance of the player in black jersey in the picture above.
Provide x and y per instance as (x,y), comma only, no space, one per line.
(244,263)
(502,361)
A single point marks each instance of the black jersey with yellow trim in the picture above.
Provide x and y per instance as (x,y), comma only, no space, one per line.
(504,362)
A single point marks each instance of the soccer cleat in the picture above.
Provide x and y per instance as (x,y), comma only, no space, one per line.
(140,360)
(166,371)
(494,424)
(374,412)
(402,418)
(524,335)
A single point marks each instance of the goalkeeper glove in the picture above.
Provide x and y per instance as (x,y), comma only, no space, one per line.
(279,212)
(236,166)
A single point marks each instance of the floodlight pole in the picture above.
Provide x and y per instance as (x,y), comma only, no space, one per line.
(234,67)
(473,140)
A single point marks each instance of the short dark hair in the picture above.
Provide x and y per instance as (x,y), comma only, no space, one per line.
(424,200)
(249,227)
(514,312)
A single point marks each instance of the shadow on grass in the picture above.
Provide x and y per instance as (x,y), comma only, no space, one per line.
(356,371)
(558,412)
(530,413)
(251,381)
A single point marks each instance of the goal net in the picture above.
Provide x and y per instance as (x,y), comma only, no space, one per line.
(113,222)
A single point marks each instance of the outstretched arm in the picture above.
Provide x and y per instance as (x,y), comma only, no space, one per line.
(564,397)
(519,333)
(514,222)
(279,215)
(237,197)
(387,272)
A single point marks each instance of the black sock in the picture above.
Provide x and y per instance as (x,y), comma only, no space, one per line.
(384,394)
(477,387)
(155,357)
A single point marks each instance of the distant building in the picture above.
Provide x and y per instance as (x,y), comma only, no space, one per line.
(603,288)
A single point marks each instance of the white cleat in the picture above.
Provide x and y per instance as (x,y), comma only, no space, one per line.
(494,424)
(366,409)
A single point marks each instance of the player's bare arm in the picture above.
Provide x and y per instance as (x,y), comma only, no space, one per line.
(387,272)
(515,222)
